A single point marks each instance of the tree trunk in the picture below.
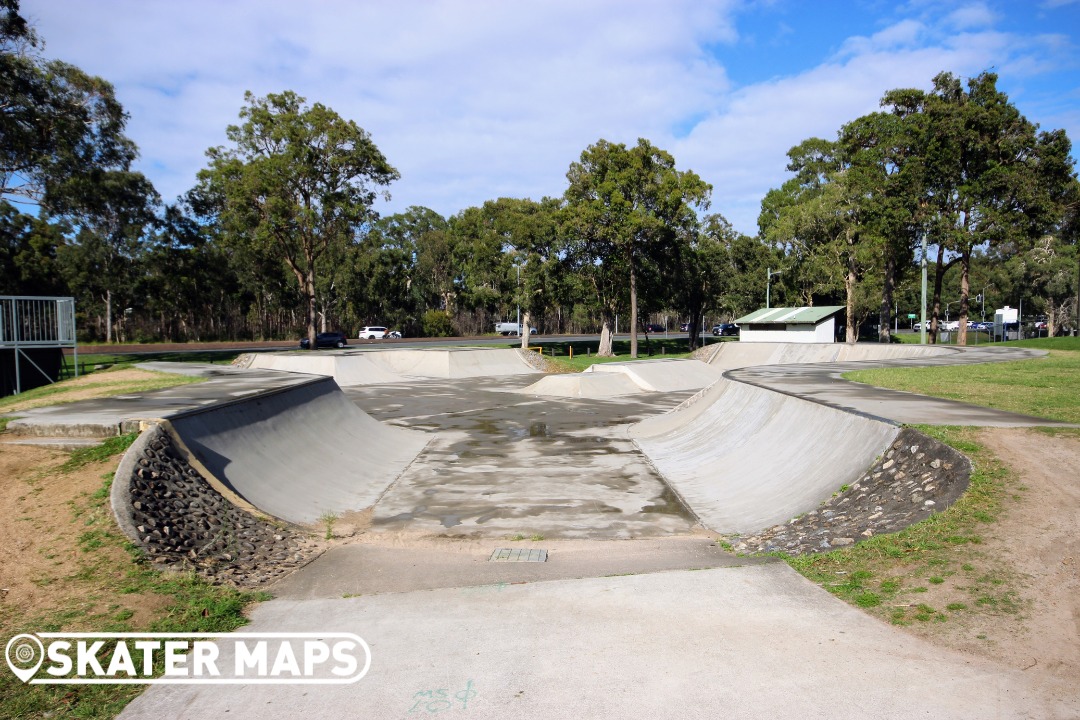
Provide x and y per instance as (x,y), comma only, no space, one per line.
(108,316)
(526,333)
(887,294)
(605,336)
(309,292)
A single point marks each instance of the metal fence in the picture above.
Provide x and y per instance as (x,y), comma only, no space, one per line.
(36,322)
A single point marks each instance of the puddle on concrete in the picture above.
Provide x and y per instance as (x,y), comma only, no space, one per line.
(505,464)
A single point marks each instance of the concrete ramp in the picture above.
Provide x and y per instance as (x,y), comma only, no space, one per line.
(744,458)
(731,355)
(584,385)
(663,375)
(604,380)
(297,453)
(378,367)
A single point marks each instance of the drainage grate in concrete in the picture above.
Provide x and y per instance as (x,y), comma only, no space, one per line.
(518,555)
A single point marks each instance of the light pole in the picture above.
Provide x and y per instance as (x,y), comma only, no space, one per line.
(768,283)
(922,318)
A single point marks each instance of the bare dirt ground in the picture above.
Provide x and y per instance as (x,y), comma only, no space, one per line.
(46,519)
(1034,547)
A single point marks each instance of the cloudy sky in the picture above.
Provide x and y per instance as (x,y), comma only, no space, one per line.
(477,99)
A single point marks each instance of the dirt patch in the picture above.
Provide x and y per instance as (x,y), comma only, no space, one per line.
(50,535)
(1034,546)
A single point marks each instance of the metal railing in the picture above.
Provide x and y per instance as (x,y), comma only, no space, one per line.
(36,322)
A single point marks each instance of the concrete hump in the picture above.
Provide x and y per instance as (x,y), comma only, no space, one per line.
(604,380)
(584,385)
(675,375)
(744,458)
(378,367)
(731,355)
(297,453)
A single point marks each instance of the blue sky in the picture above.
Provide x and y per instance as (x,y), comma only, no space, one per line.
(479,99)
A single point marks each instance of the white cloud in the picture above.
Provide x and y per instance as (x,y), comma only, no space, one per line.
(968,17)
(473,100)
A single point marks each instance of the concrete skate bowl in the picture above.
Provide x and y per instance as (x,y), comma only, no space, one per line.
(732,355)
(377,367)
(620,379)
(294,454)
(744,458)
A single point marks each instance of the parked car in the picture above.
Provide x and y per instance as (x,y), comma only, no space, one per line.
(325,340)
(654,328)
(511,328)
(685,327)
(728,329)
(372,332)
(951,326)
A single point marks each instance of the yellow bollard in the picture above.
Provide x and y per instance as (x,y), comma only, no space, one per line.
(571,352)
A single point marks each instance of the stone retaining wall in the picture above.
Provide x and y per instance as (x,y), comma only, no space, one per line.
(169,510)
(917,477)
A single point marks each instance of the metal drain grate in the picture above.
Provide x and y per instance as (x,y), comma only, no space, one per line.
(518,555)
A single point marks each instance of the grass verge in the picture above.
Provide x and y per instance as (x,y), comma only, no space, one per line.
(1044,387)
(100,384)
(935,569)
(92,579)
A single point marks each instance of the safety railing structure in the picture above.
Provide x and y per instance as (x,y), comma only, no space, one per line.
(37,322)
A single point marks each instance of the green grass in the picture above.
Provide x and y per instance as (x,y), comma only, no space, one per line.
(108,568)
(1044,387)
(584,353)
(101,383)
(90,362)
(884,573)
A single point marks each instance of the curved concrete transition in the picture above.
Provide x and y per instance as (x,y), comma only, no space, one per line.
(377,367)
(297,453)
(744,458)
(731,355)
(627,378)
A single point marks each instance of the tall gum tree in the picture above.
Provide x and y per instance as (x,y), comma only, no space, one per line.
(624,211)
(297,182)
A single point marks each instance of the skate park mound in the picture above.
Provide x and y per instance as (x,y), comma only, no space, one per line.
(296,454)
(377,367)
(627,378)
(744,458)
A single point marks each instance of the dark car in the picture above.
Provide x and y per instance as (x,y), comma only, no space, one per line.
(654,328)
(728,329)
(326,339)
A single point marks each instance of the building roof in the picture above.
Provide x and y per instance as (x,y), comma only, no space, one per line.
(790,315)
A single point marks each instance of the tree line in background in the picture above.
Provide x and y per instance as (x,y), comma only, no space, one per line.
(279,236)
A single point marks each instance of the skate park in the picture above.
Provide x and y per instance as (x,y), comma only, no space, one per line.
(625,489)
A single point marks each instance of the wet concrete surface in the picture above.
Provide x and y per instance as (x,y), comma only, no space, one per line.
(503,464)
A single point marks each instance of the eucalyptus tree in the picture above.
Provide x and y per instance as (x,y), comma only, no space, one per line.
(990,177)
(625,209)
(298,182)
(57,123)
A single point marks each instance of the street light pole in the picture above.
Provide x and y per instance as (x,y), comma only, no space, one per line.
(922,319)
(768,283)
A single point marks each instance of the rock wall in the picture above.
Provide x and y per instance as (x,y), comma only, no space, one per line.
(915,478)
(170,511)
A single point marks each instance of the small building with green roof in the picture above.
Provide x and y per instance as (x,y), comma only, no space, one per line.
(815,324)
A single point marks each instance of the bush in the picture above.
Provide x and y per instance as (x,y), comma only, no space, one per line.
(437,323)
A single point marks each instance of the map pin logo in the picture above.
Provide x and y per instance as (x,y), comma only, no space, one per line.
(24,656)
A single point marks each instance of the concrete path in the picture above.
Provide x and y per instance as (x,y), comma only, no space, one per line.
(752,643)
(821,383)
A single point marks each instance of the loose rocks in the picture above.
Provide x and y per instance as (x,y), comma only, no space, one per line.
(916,477)
(182,521)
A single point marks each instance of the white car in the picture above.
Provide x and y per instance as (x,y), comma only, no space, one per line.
(372,332)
